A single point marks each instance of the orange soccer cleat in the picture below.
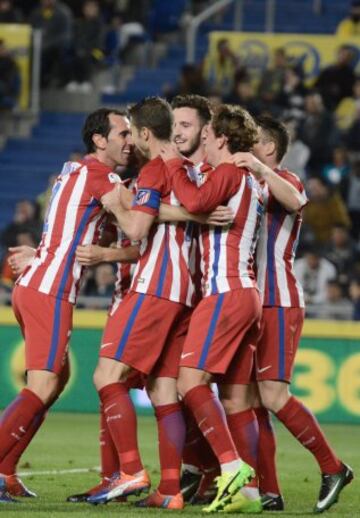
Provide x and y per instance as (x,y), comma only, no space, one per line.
(121,485)
(16,487)
(156,499)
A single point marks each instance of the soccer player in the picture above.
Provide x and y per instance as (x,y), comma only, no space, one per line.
(44,294)
(226,320)
(282,319)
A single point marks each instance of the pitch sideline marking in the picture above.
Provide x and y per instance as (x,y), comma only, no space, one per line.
(58,471)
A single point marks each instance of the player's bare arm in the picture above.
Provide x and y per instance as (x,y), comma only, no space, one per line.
(20,257)
(135,224)
(89,255)
(282,190)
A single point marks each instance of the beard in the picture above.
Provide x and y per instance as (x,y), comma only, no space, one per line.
(193,146)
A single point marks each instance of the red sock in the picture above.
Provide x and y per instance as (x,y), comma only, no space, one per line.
(266,468)
(9,463)
(171,433)
(245,433)
(305,428)
(210,417)
(108,455)
(197,451)
(17,418)
(121,419)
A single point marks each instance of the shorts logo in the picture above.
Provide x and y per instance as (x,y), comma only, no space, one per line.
(185,355)
(264,369)
(142,197)
(105,345)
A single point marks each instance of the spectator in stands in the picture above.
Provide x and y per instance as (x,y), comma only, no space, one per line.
(191,81)
(219,69)
(243,93)
(336,81)
(273,79)
(341,251)
(125,41)
(291,97)
(325,209)
(318,132)
(26,220)
(102,284)
(25,238)
(88,48)
(9,79)
(353,195)
(337,172)
(350,26)
(313,272)
(335,306)
(298,153)
(348,110)
(9,13)
(56,23)
(354,292)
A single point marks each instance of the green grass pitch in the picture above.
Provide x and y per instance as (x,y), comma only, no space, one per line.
(69,441)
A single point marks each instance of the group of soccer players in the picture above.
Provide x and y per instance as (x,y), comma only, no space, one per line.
(212,223)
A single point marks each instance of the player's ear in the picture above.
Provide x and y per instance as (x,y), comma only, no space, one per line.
(99,141)
(270,148)
(145,134)
(221,141)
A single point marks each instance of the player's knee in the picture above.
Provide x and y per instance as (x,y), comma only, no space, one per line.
(233,405)
(273,395)
(99,378)
(45,387)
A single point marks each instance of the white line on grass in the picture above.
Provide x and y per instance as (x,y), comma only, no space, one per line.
(58,471)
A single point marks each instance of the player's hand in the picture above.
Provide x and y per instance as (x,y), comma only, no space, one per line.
(20,257)
(88,255)
(169,151)
(112,200)
(221,216)
(248,160)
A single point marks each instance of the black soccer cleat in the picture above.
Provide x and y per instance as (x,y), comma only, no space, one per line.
(272,503)
(189,484)
(331,487)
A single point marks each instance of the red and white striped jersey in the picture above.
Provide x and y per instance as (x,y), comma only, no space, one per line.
(227,252)
(73,218)
(278,239)
(163,267)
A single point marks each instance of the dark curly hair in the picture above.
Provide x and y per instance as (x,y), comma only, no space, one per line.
(237,125)
(98,122)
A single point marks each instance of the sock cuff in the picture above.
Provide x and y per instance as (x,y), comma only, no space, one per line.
(162,411)
(198,395)
(241,418)
(111,390)
(289,406)
(262,413)
(34,398)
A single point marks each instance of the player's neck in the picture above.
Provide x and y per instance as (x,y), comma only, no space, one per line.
(101,157)
(155,147)
(223,157)
(198,156)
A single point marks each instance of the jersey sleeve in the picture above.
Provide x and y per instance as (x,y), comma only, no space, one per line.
(149,189)
(220,186)
(101,181)
(296,182)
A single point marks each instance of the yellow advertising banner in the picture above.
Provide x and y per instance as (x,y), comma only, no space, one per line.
(255,51)
(17,39)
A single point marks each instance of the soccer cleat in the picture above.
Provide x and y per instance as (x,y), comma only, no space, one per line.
(206,491)
(272,503)
(189,484)
(16,487)
(121,485)
(239,503)
(82,497)
(227,485)
(156,499)
(331,487)
(5,497)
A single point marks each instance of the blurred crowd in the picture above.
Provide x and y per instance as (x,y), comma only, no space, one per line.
(323,118)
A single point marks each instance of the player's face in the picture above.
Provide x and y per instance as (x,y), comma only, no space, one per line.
(211,146)
(119,141)
(139,141)
(187,130)
(261,148)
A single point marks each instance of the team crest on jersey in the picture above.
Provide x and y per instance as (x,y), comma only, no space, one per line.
(142,196)
(114,178)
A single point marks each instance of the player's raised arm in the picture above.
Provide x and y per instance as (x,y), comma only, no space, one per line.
(285,193)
